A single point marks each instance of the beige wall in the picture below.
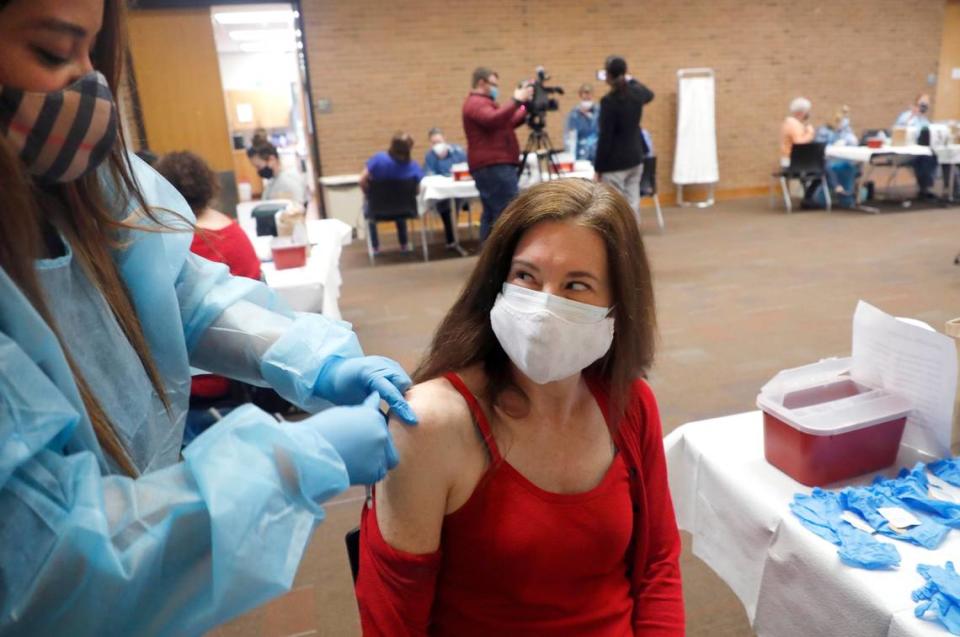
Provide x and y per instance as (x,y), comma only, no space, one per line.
(948,89)
(406,65)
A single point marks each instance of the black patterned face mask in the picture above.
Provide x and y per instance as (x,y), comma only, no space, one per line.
(61,135)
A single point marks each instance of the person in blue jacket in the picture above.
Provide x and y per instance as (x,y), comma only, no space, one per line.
(104,529)
(440,160)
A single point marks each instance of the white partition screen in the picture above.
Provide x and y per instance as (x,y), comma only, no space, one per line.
(695,160)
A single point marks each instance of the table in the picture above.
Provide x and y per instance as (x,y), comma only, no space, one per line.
(946,156)
(435,188)
(791,582)
(316,286)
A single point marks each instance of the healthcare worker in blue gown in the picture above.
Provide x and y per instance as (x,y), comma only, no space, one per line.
(104,528)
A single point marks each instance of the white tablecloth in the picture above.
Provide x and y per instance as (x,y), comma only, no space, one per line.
(316,286)
(437,187)
(861,154)
(790,581)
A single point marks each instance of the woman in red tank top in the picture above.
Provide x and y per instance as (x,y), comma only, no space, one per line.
(532,498)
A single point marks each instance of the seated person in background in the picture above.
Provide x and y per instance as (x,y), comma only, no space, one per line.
(394,163)
(841,172)
(917,115)
(838,131)
(282,182)
(532,498)
(218,238)
(439,160)
(796,129)
(924,167)
(583,125)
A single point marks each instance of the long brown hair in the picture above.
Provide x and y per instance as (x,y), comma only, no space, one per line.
(88,215)
(465,336)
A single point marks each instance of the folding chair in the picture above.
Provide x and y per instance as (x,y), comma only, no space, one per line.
(807,165)
(648,185)
(392,199)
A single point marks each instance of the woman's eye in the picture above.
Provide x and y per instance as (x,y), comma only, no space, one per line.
(578,286)
(523,276)
(49,59)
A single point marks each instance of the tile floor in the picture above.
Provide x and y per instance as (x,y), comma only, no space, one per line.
(742,292)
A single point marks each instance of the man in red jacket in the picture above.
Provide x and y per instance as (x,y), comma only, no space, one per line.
(493,152)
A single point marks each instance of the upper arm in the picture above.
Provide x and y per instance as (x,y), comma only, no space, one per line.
(412,500)
(365,179)
(659,594)
(646,95)
(489,116)
(606,119)
(798,132)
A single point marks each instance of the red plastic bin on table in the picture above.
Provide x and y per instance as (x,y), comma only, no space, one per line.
(821,426)
(287,254)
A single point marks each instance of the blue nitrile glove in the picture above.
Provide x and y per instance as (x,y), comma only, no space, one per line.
(821,513)
(868,500)
(360,435)
(947,470)
(913,489)
(941,593)
(348,381)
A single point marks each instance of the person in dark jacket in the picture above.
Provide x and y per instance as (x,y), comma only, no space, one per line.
(619,148)
(493,151)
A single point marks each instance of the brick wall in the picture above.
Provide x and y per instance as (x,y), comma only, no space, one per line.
(407,65)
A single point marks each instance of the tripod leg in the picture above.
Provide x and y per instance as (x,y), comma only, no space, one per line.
(547,144)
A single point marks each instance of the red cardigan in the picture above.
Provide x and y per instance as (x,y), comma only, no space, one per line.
(395,590)
(656,584)
(489,131)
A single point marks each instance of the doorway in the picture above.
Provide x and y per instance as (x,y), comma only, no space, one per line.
(263,77)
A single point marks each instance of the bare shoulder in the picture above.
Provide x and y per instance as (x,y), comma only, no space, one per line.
(414,498)
(443,415)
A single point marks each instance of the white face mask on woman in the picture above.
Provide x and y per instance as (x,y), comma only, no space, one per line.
(549,337)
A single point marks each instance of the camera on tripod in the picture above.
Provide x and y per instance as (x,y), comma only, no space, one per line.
(538,143)
(541,103)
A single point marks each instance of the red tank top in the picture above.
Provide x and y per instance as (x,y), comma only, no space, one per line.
(518,560)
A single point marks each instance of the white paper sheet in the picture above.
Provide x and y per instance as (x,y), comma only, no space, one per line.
(695,159)
(914,362)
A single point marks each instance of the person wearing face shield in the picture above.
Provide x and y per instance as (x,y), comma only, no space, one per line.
(439,160)
(583,125)
(924,167)
(104,528)
(532,498)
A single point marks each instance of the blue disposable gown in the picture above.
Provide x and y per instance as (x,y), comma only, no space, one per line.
(191,543)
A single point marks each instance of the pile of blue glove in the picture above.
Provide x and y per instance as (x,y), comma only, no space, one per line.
(823,513)
(941,595)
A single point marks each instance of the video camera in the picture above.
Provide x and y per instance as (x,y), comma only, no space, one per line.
(541,102)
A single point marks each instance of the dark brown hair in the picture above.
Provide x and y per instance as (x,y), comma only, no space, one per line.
(263,150)
(400,145)
(465,336)
(482,73)
(191,176)
(87,214)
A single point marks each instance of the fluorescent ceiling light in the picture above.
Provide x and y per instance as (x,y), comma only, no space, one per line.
(254,17)
(261,34)
(266,47)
